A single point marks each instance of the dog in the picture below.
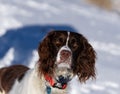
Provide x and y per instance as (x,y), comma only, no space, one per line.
(62,56)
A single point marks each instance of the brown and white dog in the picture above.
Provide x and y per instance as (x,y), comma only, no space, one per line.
(62,55)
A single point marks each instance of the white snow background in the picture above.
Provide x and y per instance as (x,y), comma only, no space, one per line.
(23,23)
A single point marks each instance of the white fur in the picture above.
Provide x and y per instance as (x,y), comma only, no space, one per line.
(33,84)
(67,39)
(2,92)
(58,55)
(65,47)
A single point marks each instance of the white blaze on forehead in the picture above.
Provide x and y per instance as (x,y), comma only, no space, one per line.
(65,47)
(67,38)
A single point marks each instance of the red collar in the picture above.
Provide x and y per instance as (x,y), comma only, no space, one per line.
(52,82)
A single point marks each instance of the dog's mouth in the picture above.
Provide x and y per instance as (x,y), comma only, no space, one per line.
(63,71)
(63,75)
(63,79)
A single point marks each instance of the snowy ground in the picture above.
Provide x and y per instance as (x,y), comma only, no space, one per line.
(24,23)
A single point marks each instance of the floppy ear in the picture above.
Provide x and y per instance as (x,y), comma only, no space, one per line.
(85,67)
(46,59)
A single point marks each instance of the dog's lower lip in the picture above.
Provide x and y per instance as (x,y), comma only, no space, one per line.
(63,79)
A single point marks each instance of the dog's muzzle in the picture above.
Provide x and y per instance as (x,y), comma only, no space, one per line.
(62,79)
(63,70)
(64,57)
(63,75)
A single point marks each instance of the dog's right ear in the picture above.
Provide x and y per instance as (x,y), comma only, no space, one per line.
(44,49)
(46,59)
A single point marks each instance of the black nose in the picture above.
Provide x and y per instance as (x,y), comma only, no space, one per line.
(63,79)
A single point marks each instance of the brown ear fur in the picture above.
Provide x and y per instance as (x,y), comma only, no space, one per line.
(2,70)
(85,67)
(46,60)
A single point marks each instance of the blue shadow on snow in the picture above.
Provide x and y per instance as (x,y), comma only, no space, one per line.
(26,39)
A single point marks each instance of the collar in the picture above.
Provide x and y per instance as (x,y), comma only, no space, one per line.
(54,84)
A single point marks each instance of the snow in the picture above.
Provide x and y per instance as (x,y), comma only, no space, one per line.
(8,58)
(7,21)
(34,59)
(24,23)
(111,48)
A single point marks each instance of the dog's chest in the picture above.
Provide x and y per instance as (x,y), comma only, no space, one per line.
(33,85)
(58,91)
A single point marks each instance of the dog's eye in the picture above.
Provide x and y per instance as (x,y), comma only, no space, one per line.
(74,44)
(59,42)
(73,41)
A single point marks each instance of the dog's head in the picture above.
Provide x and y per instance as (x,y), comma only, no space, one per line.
(66,54)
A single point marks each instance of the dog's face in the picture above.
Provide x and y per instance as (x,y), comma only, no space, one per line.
(66,54)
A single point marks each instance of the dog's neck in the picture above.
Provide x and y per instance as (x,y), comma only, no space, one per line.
(49,85)
(33,83)
(52,83)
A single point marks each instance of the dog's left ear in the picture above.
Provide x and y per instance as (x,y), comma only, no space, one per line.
(46,59)
(85,65)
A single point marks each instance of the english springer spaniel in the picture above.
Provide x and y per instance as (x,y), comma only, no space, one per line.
(62,55)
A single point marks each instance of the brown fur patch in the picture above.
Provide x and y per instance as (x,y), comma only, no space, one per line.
(8,75)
